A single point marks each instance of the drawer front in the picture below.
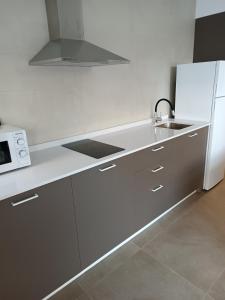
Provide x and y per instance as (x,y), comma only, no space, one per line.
(131,164)
(149,158)
(152,175)
(153,200)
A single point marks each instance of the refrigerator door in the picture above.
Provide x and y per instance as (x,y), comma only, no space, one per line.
(215,162)
(220,91)
(195,88)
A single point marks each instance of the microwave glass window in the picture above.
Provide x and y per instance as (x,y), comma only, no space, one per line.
(5,157)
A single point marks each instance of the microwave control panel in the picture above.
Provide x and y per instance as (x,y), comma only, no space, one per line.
(21,148)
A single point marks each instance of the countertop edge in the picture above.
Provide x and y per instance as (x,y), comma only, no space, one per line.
(97,163)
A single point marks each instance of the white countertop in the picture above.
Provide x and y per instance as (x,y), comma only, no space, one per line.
(56,162)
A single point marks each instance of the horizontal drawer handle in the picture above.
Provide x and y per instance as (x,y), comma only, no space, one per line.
(157,188)
(107,168)
(158,149)
(25,200)
(157,169)
(193,135)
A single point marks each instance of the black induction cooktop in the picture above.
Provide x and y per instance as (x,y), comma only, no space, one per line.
(93,148)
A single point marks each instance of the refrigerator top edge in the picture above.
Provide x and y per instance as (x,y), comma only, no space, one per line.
(203,62)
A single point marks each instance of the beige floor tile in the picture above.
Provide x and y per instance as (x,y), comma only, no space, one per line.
(181,210)
(214,203)
(218,289)
(201,223)
(83,297)
(162,224)
(71,292)
(194,247)
(148,234)
(102,291)
(116,259)
(207,297)
(143,278)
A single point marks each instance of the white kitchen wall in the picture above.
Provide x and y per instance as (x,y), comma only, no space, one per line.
(209,7)
(56,102)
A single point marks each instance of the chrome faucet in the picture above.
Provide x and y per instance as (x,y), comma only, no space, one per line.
(157,117)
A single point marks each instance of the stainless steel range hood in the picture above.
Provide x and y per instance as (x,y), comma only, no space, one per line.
(67,46)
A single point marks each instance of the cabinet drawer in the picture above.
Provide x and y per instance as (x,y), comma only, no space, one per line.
(151,176)
(133,163)
(150,157)
(153,200)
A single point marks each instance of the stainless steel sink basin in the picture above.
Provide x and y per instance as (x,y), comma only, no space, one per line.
(174,126)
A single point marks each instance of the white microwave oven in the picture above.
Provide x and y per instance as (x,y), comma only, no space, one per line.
(14,151)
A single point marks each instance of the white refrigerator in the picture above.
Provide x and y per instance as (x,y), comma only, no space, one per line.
(200,95)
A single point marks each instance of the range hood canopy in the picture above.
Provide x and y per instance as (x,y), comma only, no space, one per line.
(67,46)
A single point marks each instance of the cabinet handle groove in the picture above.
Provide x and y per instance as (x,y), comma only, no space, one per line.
(157,169)
(158,149)
(193,135)
(25,200)
(157,188)
(107,168)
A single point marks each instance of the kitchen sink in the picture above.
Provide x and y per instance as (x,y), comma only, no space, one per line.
(174,126)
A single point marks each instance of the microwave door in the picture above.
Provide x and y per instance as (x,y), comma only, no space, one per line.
(5,155)
(8,158)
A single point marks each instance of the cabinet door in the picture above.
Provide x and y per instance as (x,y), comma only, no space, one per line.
(190,161)
(38,247)
(104,209)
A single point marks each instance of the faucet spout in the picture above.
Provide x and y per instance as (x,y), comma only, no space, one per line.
(168,101)
(170,104)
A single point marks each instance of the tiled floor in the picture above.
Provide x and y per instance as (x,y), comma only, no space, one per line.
(181,257)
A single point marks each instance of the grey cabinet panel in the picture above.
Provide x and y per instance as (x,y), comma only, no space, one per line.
(38,246)
(104,210)
(190,161)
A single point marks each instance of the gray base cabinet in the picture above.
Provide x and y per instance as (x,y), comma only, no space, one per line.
(38,246)
(115,200)
(48,235)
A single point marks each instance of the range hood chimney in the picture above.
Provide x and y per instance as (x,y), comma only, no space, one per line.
(67,46)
